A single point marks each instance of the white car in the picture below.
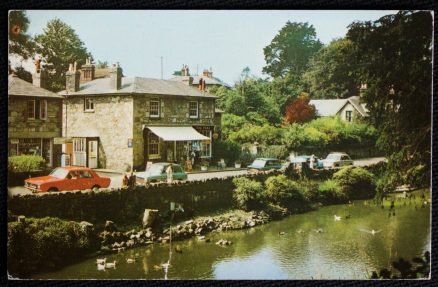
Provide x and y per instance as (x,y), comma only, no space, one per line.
(337,159)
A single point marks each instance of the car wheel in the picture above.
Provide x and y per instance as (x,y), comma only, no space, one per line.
(52,189)
(95,188)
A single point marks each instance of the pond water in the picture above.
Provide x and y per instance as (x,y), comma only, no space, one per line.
(343,250)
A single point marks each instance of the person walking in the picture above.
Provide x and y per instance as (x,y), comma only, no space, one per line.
(169,173)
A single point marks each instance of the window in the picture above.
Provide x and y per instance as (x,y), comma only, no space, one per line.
(31,109)
(154,109)
(206,146)
(85,174)
(88,105)
(193,110)
(153,145)
(43,109)
(348,116)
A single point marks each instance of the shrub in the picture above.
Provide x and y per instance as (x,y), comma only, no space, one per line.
(283,191)
(247,193)
(46,242)
(330,190)
(356,182)
(227,150)
(275,151)
(246,158)
(25,163)
(275,211)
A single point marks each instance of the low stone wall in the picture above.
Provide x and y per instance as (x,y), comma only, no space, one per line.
(127,205)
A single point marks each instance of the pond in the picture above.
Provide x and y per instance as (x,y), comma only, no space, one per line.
(287,249)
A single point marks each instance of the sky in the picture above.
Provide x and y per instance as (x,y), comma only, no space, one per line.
(225,41)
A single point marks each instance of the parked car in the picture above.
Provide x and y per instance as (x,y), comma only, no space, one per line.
(67,178)
(157,172)
(306,158)
(337,159)
(264,164)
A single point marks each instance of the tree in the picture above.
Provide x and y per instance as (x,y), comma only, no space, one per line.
(299,110)
(291,49)
(59,46)
(395,61)
(332,72)
(20,43)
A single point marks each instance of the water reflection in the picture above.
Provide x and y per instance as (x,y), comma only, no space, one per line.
(341,251)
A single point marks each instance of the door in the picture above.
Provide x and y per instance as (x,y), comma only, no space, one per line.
(92,154)
(79,152)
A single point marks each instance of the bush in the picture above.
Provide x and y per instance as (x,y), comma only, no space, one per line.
(227,150)
(246,158)
(46,243)
(25,163)
(330,191)
(275,151)
(275,211)
(247,193)
(283,191)
(356,182)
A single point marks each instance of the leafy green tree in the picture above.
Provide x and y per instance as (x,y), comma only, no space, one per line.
(59,46)
(332,71)
(20,42)
(291,49)
(394,57)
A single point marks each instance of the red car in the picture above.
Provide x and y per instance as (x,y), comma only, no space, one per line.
(67,178)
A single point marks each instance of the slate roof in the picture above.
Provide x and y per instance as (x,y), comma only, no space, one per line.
(19,87)
(329,108)
(138,85)
(208,81)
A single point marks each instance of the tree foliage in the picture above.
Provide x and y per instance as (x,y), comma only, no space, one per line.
(59,46)
(394,56)
(20,42)
(332,71)
(291,49)
(299,110)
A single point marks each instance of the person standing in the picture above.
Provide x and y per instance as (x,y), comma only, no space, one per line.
(312,161)
(169,173)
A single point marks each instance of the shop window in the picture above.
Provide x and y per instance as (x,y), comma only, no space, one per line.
(206,146)
(154,111)
(153,145)
(193,110)
(88,105)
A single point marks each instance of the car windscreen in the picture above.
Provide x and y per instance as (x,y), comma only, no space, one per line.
(258,163)
(59,173)
(334,156)
(155,169)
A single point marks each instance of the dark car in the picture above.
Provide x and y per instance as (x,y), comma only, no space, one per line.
(157,172)
(265,164)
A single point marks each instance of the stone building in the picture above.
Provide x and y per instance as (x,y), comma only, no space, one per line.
(34,118)
(119,120)
(347,109)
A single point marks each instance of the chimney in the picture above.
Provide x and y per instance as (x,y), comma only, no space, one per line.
(39,78)
(72,78)
(362,89)
(187,81)
(87,71)
(116,77)
(205,73)
(201,86)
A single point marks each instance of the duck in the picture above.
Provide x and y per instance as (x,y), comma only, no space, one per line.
(178,249)
(348,216)
(337,218)
(101,261)
(111,264)
(319,230)
(130,260)
(281,233)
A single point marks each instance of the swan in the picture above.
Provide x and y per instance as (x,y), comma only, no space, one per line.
(337,218)
(130,260)
(101,261)
(101,267)
(111,264)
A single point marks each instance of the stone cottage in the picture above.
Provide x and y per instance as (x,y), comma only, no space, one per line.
(34,118)
(347,109)
(119,120)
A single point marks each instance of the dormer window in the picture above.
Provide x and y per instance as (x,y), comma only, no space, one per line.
(193,110)
(88,105)
(154,111)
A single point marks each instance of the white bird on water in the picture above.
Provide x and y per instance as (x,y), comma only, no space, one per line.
(372,231)
(101,261)
(111,264)
(337,218)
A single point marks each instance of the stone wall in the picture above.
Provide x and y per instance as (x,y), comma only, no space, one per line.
(20,127)
(111,121)
(174,111)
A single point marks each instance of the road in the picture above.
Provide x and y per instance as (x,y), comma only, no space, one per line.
(116,178)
